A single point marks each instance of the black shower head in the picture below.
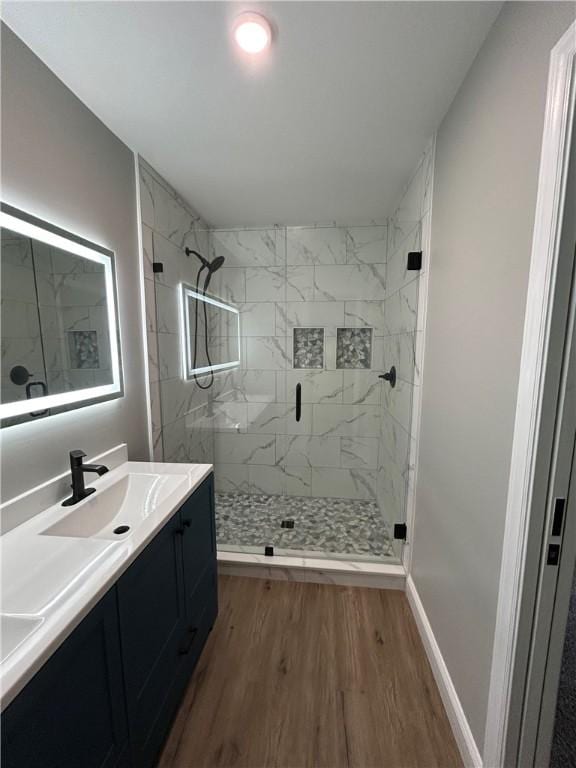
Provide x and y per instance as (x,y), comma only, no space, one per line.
(216,264)
(212,266)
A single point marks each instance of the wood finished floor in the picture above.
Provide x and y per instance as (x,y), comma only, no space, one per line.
(311,675)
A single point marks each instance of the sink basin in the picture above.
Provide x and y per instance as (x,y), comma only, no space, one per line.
(13,631)
(113,512)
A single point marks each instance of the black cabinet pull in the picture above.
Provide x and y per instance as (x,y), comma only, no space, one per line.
(179,532)
(298,401)
(187,523)
(185,649)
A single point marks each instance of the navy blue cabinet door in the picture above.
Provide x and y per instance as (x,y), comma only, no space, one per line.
(199,539)
(199,559)
(72,712)
(153,629)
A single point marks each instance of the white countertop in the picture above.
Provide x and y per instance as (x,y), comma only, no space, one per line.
(51,582)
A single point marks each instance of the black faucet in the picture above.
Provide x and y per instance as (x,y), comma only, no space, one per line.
(77,469)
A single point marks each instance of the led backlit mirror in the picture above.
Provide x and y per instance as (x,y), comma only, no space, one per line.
(210,334)
(60,346)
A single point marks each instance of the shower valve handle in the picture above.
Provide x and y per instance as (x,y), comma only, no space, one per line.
(390,376)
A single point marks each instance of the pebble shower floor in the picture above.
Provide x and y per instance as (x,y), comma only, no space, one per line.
(330,526)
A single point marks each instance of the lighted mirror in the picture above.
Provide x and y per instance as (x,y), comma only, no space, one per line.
(210,334)
(60,346)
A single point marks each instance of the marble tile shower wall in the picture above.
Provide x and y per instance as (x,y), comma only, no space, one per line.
(403,339)
(324,278)
(181,423)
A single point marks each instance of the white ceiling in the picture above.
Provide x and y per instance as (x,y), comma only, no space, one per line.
(327,127)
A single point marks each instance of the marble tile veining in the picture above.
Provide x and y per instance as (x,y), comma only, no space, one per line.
(245,248)
(366,245)
(315,245)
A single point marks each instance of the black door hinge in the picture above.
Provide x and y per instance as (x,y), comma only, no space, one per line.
(157,266)
(414,260)
(400,531)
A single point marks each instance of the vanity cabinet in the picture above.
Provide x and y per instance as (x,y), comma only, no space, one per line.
(107,696)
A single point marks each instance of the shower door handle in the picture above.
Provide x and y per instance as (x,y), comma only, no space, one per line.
(298,401)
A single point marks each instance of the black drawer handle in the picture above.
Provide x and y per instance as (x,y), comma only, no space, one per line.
(298,401)
(185,649)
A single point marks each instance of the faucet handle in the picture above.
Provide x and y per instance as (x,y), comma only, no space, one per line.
(76,457)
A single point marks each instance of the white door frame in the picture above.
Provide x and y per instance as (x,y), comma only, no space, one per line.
(528,480)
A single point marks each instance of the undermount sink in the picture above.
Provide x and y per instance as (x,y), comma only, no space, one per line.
(13,631)
(114,512)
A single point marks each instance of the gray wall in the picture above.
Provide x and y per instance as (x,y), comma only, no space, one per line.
(488,151)
(62,164)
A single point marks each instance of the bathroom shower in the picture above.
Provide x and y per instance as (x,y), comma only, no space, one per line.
(211,266)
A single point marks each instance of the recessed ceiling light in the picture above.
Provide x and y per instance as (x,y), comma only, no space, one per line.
(252,32)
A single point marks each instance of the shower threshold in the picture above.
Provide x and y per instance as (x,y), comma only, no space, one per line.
(300,566)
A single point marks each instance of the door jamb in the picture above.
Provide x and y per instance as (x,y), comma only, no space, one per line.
(528,421)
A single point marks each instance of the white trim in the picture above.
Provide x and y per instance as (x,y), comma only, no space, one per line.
(144,323)
(549,208)
(422,316)
(454,710)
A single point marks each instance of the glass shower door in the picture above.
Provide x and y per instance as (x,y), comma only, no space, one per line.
(330,452)
(249,409)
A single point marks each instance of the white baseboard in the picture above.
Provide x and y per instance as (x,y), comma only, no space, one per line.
(313,570)
(460,726)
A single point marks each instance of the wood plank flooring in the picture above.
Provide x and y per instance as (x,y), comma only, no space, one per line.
(301,675)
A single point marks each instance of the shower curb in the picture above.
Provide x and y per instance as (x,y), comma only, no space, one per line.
(313,570)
